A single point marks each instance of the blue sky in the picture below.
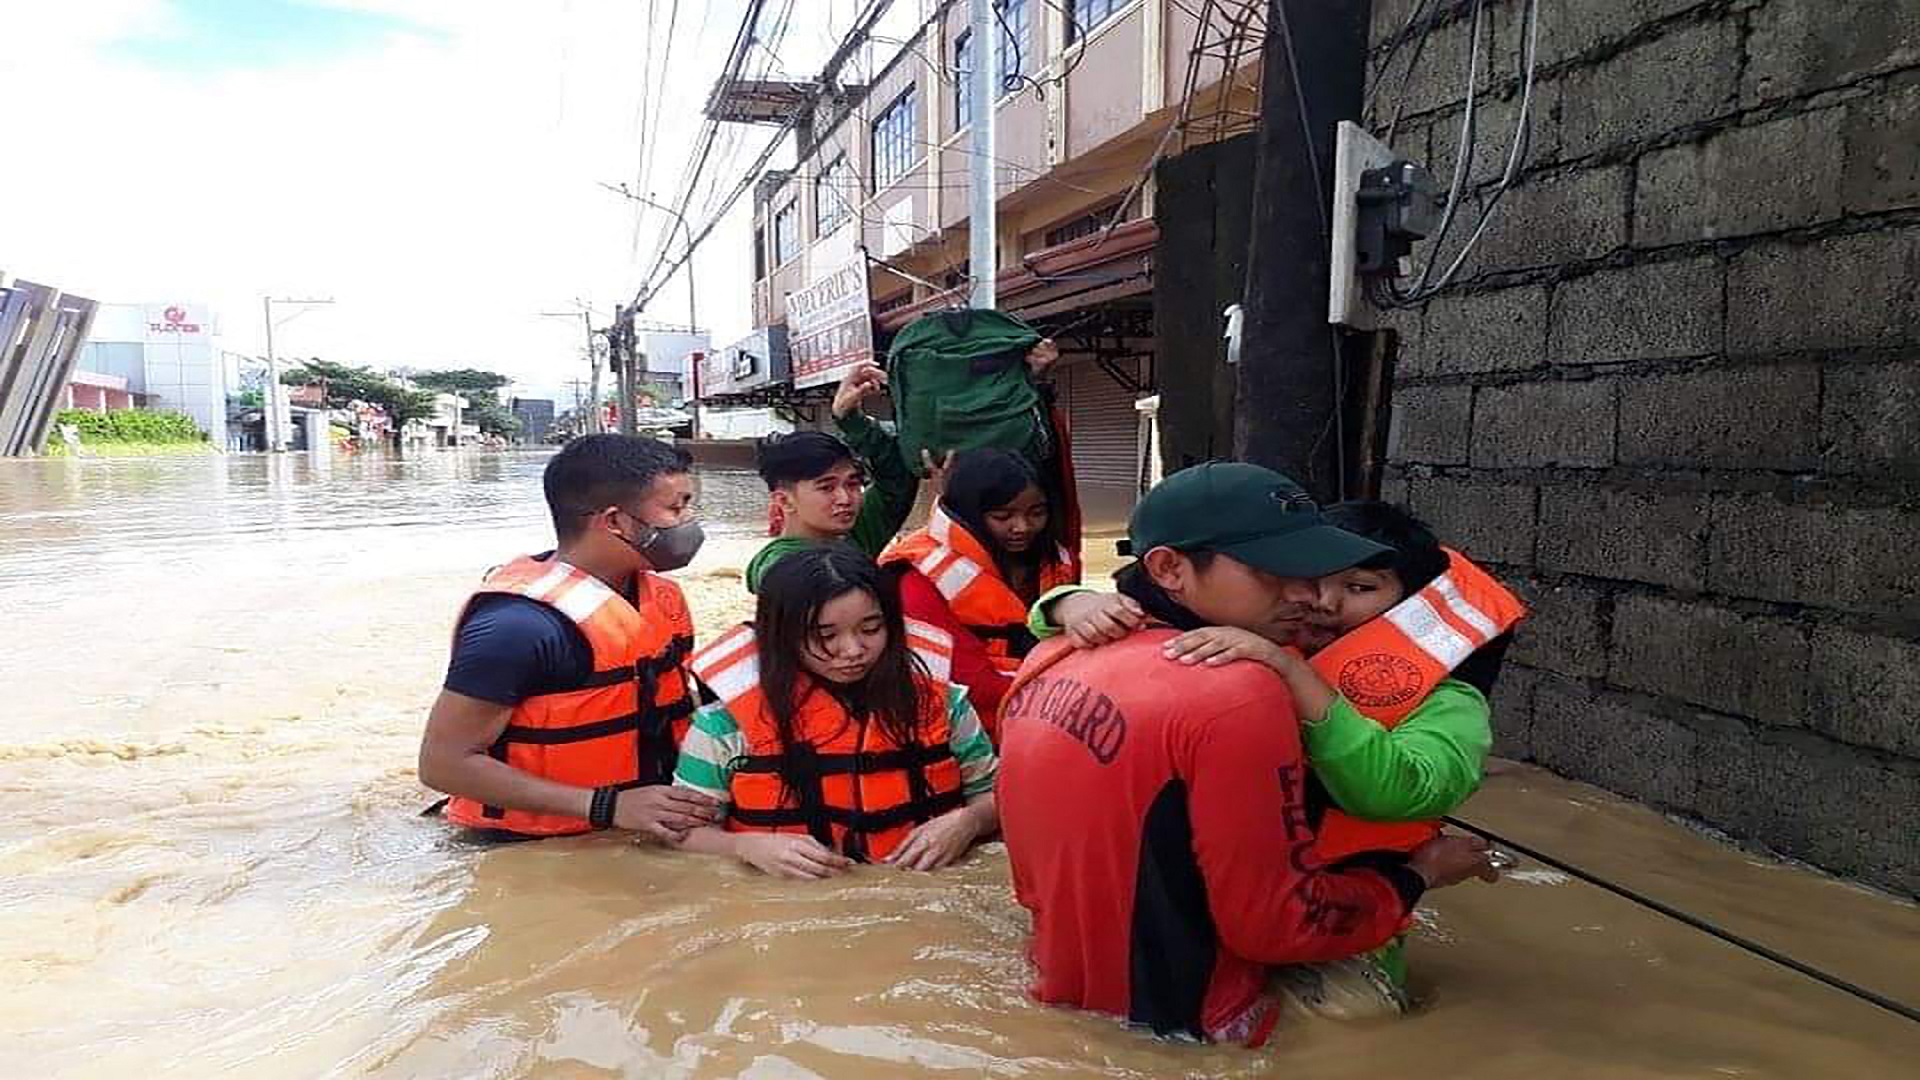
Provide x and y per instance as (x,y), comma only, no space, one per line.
(228,35)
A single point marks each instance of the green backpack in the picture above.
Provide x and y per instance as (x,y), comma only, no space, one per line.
(959,381)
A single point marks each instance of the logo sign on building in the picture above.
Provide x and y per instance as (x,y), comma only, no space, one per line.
(745,366)
(174,320)
(830,326)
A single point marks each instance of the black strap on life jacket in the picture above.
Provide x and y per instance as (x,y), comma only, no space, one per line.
(805,769)
(654,748)
(1020,640)
(670,658)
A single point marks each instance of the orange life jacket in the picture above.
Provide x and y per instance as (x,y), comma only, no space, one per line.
(623,726)
(1388,666)
(845,783)
(964,572)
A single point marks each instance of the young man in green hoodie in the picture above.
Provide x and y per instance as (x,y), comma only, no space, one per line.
(857,489)
(825,488)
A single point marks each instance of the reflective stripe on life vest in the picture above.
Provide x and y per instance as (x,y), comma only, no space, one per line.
(1388,666)
(964,572)
(622,726)
(844,782)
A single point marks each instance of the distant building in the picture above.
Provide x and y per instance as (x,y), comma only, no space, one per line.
(670,358)
(100,393)
(446,427)
(535,416)
(163,355)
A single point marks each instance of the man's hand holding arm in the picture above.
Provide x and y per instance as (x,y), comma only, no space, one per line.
(455,758)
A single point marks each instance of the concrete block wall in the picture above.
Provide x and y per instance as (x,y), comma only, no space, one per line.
(1674,397)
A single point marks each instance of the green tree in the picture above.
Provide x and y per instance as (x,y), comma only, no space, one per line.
(467,382)
(482,391)
(343,385)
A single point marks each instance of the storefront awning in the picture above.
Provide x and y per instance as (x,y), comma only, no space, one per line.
(1072,276)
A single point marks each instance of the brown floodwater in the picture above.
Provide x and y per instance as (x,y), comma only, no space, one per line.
(215,671)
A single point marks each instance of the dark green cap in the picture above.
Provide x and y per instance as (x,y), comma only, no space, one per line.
(1249,513)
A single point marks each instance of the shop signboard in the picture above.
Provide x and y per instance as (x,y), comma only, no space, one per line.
(830,325)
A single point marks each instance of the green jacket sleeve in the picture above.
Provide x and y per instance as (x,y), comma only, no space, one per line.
(1037,623)
(1424,767)
(894,487)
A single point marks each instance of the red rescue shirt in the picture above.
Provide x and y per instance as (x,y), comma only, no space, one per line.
(1156,818)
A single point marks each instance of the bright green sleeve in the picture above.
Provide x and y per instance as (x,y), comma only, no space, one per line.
(979,766)
(776,549)
(1037,622)
(708,752)
(1424,767)
(894,487)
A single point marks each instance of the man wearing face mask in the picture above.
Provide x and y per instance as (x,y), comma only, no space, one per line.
(567,694)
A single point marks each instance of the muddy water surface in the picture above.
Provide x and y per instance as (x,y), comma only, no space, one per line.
(214,673)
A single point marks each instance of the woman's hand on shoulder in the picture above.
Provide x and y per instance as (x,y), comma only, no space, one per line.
(1093,619)
(937,843)
(1215,646)
(790,855)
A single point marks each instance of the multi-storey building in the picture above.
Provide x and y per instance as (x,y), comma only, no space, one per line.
(1090,90)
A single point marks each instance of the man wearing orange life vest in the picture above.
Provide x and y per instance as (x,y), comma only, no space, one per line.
(567,694)
(987,553)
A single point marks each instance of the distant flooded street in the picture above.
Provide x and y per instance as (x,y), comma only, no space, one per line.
(216,670)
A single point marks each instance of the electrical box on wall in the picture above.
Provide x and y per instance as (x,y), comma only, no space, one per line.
(1382,202)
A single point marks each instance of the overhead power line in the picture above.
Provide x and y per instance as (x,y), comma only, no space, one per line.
(663,269)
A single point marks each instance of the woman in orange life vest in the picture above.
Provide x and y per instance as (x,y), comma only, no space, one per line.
(839,736)
(989,551)
(1403,654)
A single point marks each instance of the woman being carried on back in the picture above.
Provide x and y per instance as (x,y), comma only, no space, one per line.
(989,551)
(839,735)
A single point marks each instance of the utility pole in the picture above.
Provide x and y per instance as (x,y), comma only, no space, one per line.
(982,263)
(597,419)
(276,442)
(620,354)
(278,415)
(680,222)
(1288,398)
(578,390)
(594,423)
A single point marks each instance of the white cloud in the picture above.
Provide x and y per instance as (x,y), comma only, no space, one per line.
(441,186)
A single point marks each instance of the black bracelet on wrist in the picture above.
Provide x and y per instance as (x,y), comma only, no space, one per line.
(600,811)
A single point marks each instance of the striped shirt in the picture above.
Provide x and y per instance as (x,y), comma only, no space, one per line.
(715,742)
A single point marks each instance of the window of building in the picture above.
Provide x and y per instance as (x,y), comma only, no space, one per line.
(759,253)
(1014,35)
(896,140)
(1086,224)
(1011,60)
(963,81)
(1084,15)
(895,302)
(786,233)
(832,195)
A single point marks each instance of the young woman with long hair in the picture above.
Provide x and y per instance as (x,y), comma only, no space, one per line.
(990,550)
(839,735)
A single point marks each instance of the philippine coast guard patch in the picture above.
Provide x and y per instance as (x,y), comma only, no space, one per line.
(1379,680)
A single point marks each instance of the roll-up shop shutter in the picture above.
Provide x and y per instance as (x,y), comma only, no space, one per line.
(1105,426)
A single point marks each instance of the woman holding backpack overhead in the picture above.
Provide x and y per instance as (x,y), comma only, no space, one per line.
(989,551)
